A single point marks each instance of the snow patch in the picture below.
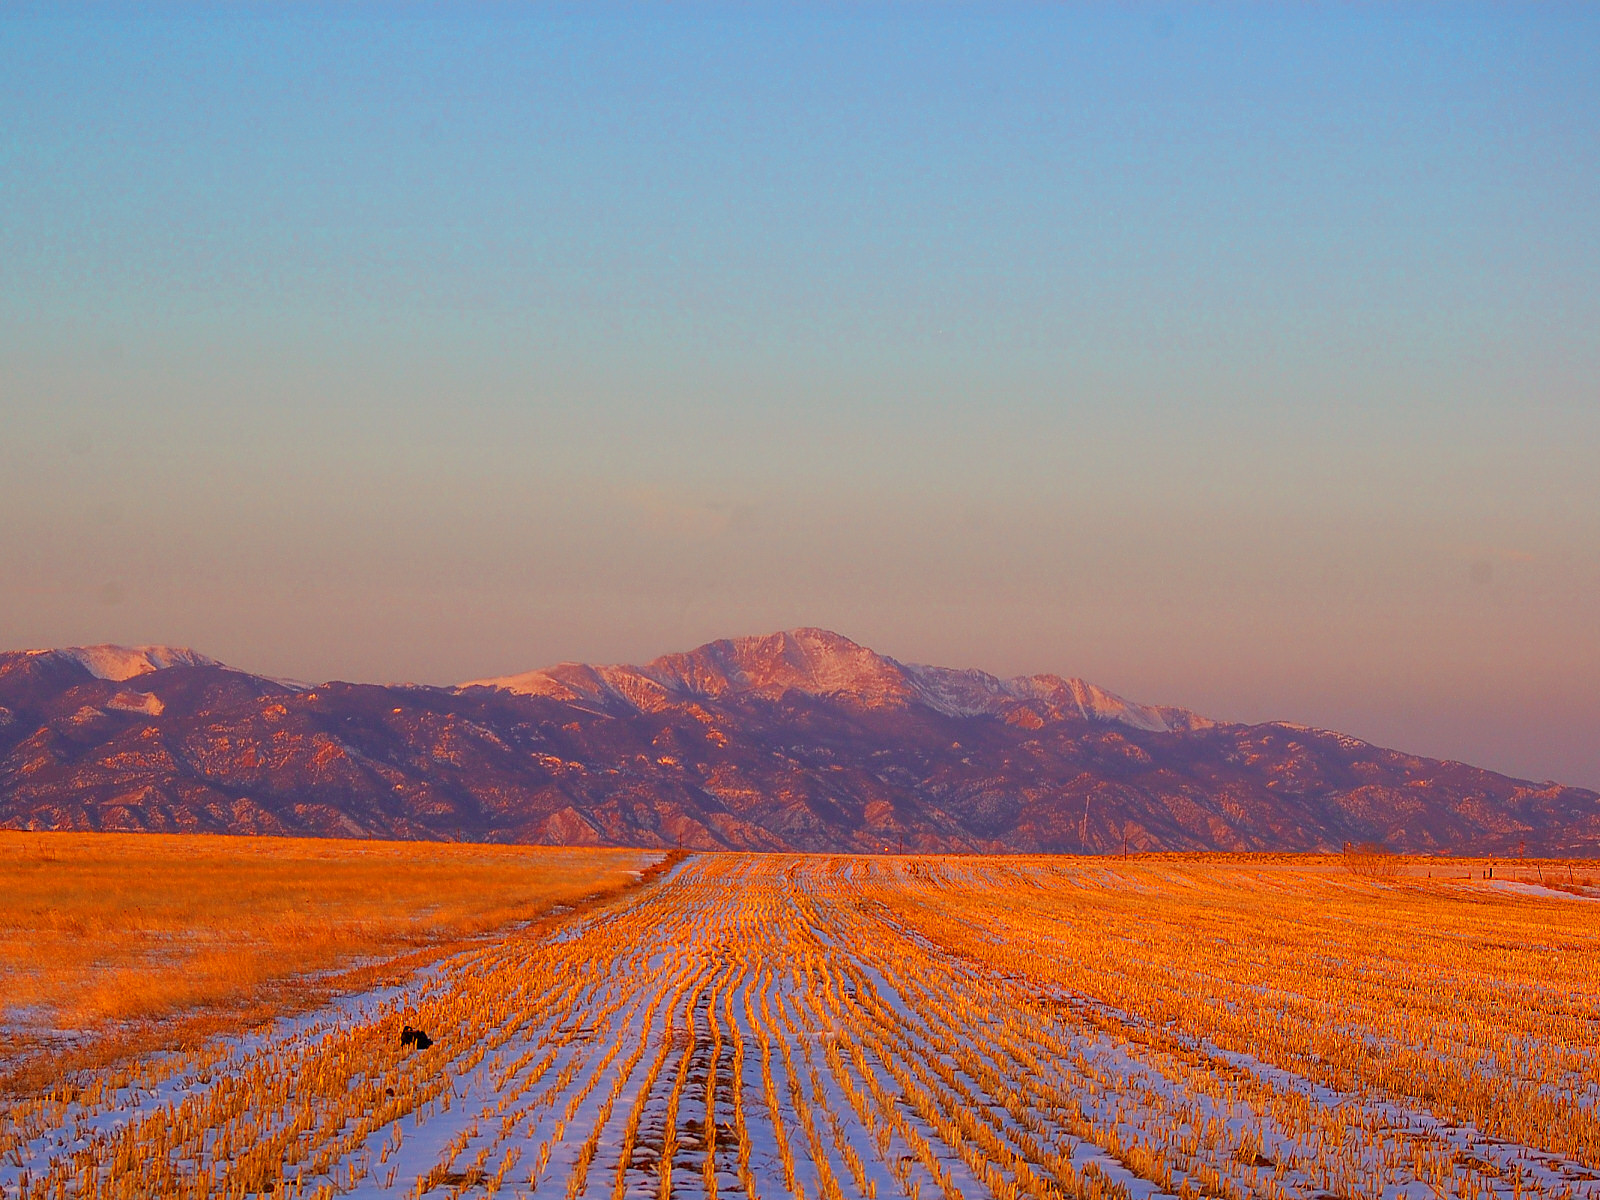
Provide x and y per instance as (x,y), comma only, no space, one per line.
(137,702)
(1533,889)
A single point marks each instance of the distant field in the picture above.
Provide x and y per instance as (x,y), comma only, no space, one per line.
(830,1027)
(118,927)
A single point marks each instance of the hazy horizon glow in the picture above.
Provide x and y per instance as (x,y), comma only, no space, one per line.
(1240,358)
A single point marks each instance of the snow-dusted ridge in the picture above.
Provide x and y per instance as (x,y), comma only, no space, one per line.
(817,662)
(120,663)
(811,661)
(977,693)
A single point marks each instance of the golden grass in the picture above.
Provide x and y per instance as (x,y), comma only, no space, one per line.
(98,928)
(831,1027)
(1478,1002)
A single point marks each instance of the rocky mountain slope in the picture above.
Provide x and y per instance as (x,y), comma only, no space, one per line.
(801,740)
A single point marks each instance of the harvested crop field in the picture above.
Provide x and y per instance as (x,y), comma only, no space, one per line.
(835,1026)
(120,939)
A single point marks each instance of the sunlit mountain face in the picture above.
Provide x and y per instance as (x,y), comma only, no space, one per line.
(802,740)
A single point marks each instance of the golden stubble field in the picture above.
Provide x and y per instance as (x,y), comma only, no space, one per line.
(110,937)
(925,1027)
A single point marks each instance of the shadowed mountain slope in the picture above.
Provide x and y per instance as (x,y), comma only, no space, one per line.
(801,740)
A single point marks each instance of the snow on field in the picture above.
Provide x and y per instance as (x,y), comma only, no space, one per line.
(1533,889)
(764,1026)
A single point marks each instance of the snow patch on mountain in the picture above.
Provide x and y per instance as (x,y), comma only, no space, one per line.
(1344,739)
(1098,704)
(137,702)
(119,663)
(977,693)
(959,693)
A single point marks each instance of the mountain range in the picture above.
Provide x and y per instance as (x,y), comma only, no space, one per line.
(801,740)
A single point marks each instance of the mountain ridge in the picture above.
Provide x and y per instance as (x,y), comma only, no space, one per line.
(817,661)
(121,663)
(800,740)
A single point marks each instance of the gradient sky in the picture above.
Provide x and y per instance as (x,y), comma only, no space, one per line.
(1241,358)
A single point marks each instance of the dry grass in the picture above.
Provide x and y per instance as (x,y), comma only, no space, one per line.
(103,928)
(934,1028)
(1469,1002)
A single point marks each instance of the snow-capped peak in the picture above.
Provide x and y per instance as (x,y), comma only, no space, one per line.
(817,662)
(119,663)
(813,661)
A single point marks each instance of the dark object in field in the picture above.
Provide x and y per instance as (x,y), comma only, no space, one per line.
(415,1037)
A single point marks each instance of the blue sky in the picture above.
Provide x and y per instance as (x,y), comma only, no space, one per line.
(1243,357)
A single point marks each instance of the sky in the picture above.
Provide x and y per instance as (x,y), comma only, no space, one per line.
(1239,357)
